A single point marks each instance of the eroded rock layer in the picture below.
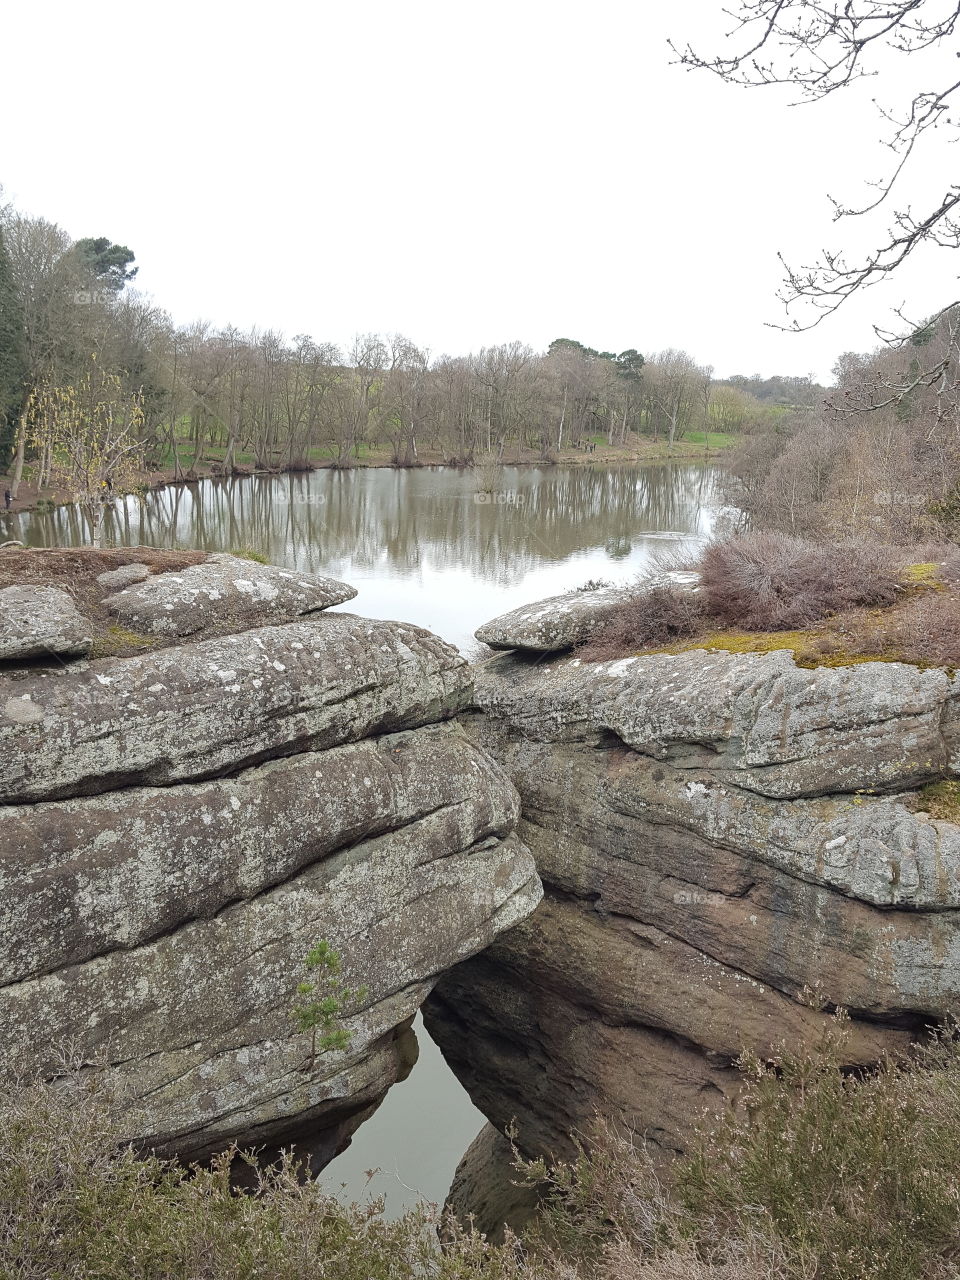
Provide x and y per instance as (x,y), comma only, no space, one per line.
(731,848)
(179,827)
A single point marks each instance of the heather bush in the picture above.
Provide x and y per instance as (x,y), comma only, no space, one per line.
(925,630)
(818,1175)
(75,1204)
(775,582)
(856,1177)
(660,614)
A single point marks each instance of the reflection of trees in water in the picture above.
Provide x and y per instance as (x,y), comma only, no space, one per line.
(401,520)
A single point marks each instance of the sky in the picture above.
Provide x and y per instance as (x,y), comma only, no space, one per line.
(459,172)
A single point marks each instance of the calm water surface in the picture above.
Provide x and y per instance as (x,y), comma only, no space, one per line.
(428,547)
(424,546)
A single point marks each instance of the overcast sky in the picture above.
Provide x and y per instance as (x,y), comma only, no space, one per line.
(465,173)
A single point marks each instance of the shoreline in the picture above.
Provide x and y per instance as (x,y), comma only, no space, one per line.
(30,498)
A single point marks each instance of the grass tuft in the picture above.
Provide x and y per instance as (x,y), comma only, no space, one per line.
(245,553)
(939,800)
(115,641)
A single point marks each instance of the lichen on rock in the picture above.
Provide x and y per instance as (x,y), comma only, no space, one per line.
(179,827)
(731,847)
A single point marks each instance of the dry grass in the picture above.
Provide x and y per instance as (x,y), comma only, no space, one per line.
(938,799)
(75,571)
(828,606)
(926,629)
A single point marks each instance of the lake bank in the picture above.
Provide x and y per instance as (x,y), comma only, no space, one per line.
(698,447)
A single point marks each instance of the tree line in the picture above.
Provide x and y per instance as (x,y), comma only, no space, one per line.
(878,454)
(90,367)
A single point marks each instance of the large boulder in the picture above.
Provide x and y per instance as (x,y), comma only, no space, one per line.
(39,622)
(566,621)
(178,828)
(556,624)
(196,710)
(222,587)
(756,721)
(731,848)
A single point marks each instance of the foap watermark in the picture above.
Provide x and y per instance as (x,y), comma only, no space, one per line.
(300,499)
(500,498)
(93,297)
(698,898)
(888,498)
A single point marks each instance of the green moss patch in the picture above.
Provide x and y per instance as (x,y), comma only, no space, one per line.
(118,642)
(923,577)
(940,800)
(245,553)
(816,647)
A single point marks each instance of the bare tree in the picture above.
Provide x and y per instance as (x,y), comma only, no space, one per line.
(90,432)
(676,387)
(818,47)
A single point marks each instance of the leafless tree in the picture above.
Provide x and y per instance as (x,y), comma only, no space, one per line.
(819,47)
(676,386)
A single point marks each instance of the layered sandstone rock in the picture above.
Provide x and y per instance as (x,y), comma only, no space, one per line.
(248,593)
(731,848)
(564,622)
(179,827)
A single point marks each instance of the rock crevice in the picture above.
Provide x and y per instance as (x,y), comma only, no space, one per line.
(731,849)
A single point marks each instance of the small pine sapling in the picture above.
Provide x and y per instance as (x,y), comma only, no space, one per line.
(321,1001)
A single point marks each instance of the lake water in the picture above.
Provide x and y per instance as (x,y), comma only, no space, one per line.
(426,546)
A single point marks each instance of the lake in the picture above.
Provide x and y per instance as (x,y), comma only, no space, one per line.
(429,547)
(422,545)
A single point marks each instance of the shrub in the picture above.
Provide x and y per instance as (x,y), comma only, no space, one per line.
(857,1177)
(926,630)
(817,1174)
(775,582)
(662,613)
(76,1206)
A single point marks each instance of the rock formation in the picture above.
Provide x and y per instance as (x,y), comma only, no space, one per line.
(716,833)
(180,825)
(562,622)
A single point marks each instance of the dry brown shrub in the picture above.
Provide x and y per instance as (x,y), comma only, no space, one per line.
(925,630)
(661,614)
(775,582)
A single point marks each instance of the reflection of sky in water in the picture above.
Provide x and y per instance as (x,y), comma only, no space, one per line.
(414,1140)
(425,547)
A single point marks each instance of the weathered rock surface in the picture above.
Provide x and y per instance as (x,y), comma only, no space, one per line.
(552,625)
(756,721)
(194,711)
(110,872)
(179,828)
(716,833)
(223,587)
(40,622)
(565,621)
(125,576)
(485,1187)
